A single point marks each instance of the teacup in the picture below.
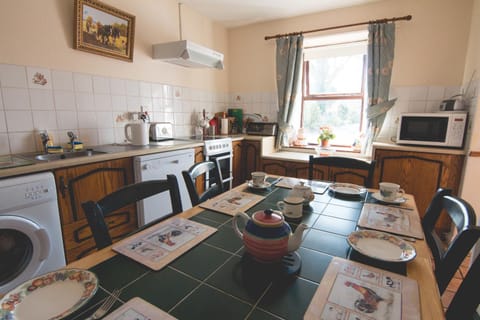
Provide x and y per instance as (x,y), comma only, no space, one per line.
(291,207)
(390,191)
(258,178)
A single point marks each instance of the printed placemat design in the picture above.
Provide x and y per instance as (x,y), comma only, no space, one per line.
(159,245)
(232,202)
(391,219)
(138,309)
(319,187)
(351,290)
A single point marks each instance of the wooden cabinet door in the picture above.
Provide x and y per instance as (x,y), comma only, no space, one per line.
(250,158)
(419,173)
(237,174)
(199,157)
(285,168)
(76,185)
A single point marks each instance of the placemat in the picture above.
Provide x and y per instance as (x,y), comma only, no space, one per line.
(162,243)
(317,186)
(138,309)
(352,290)
(391,219)
(232,202)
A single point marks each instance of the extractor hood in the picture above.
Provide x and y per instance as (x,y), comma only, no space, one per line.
(188,54)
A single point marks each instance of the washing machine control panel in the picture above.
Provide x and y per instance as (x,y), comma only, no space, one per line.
(24,194)
(36,191)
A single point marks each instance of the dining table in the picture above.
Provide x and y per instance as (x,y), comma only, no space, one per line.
(216,279)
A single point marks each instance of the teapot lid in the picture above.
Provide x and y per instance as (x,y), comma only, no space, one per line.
(268,218)
(301,185)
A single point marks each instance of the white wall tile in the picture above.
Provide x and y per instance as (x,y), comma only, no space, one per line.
(16,99)
(64,100)
(1,100)
(103,102)
(44,120)
(146,103)
(133,104)
(87,120)
(119,133)
(39,78)
(21,142)
(82,82)
(167,92)
(62,80)
(145,89)
(118,86)
(157,90)
(3,123)
(436,93)
(106,136)
(119,102)
(417,106)
(4,144)
(19,120)
(85,101)
(101,85)
(67,120)
(89,136)
(132,87)
(41,99)
(12,76)
(104,119)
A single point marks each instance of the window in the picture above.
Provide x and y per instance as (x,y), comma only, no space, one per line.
(334,86)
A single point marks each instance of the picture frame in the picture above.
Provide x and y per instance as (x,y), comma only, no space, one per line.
(104,30)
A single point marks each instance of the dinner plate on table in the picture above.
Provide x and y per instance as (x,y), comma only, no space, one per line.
(381,246)
(264,186)
(347,189)
(377,196)
(53,295)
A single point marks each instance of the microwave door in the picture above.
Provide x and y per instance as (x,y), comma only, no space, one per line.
(424,130)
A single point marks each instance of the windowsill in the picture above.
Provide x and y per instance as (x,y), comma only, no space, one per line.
(315,149)
(303,152)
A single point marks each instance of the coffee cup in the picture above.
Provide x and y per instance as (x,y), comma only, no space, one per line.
(137,133)
(258,178)
(291,207)
(390,191)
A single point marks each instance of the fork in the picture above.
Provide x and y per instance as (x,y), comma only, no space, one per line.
(106,305)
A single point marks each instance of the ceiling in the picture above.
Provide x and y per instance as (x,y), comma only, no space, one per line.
(235,13)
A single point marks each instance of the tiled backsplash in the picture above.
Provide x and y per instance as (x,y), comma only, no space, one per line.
(97,108)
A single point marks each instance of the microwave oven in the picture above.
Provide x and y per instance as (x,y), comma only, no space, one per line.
(439,129)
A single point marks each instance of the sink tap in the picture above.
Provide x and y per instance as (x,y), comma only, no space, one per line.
(73,137)
(45,139)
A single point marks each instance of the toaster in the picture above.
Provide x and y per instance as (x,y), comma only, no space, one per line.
(160,131)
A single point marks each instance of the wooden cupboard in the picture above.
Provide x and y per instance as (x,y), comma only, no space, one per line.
(420,174)
(251,158)
(199,157)
(237,173)
(285,168)
(78,184)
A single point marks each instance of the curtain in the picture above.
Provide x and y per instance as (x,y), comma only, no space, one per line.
(381,47)
(289,62)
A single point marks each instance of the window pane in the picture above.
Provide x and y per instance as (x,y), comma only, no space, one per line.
(343,116)
(341,74)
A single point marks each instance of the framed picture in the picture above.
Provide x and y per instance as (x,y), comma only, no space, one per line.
(104,30)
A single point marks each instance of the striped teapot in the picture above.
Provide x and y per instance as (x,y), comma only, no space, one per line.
(266,236)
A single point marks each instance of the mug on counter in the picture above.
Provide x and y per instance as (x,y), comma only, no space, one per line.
(291,207)
(137,133)
(390,191)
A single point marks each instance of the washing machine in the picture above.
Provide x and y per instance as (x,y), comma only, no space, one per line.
(31,241)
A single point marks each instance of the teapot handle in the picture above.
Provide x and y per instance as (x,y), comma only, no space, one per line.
(242,215)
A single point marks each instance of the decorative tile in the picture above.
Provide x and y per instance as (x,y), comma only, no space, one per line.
(39,78)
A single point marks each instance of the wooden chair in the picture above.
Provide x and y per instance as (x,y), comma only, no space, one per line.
(200,169)
(96,212)
(354,169)
(449,256)
(466,299)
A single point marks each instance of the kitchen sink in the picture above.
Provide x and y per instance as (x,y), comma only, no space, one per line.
(63,155)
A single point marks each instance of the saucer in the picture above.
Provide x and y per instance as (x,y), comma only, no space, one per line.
(377,196)
(265,185)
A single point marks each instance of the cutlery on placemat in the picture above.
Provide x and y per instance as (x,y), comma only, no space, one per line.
(106,305)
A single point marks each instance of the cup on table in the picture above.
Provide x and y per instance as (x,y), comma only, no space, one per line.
(390,191)
(291,207)
(258,178)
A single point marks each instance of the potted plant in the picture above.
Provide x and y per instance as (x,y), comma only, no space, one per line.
(325,135)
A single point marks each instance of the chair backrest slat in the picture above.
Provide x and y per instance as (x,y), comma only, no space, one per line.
(213,184)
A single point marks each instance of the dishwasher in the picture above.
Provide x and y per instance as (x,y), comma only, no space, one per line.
(157,166)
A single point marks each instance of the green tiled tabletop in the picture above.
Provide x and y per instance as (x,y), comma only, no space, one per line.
(215,281)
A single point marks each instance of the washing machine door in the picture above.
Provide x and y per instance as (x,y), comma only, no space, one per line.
(24,246)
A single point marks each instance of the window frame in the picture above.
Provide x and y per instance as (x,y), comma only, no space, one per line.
(307,96)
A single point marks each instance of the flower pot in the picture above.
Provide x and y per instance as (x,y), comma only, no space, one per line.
(325,143)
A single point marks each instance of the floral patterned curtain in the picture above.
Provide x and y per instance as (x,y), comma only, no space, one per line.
(289,58)
(381,47)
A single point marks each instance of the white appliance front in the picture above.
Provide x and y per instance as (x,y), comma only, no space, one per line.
(157,166)
(31,241)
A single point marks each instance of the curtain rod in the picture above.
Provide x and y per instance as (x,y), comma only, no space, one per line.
(409,17)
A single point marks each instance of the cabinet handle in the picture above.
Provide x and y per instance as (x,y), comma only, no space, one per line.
(63,187)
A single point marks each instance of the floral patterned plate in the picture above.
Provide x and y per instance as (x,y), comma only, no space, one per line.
(347,189)
(382,246)
(51,296)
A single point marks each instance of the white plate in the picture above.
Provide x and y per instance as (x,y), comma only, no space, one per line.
(347,189)
(265,185)
(382,246)
(377,196)
(51,296)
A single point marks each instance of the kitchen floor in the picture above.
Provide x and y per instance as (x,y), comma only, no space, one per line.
(455,283)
